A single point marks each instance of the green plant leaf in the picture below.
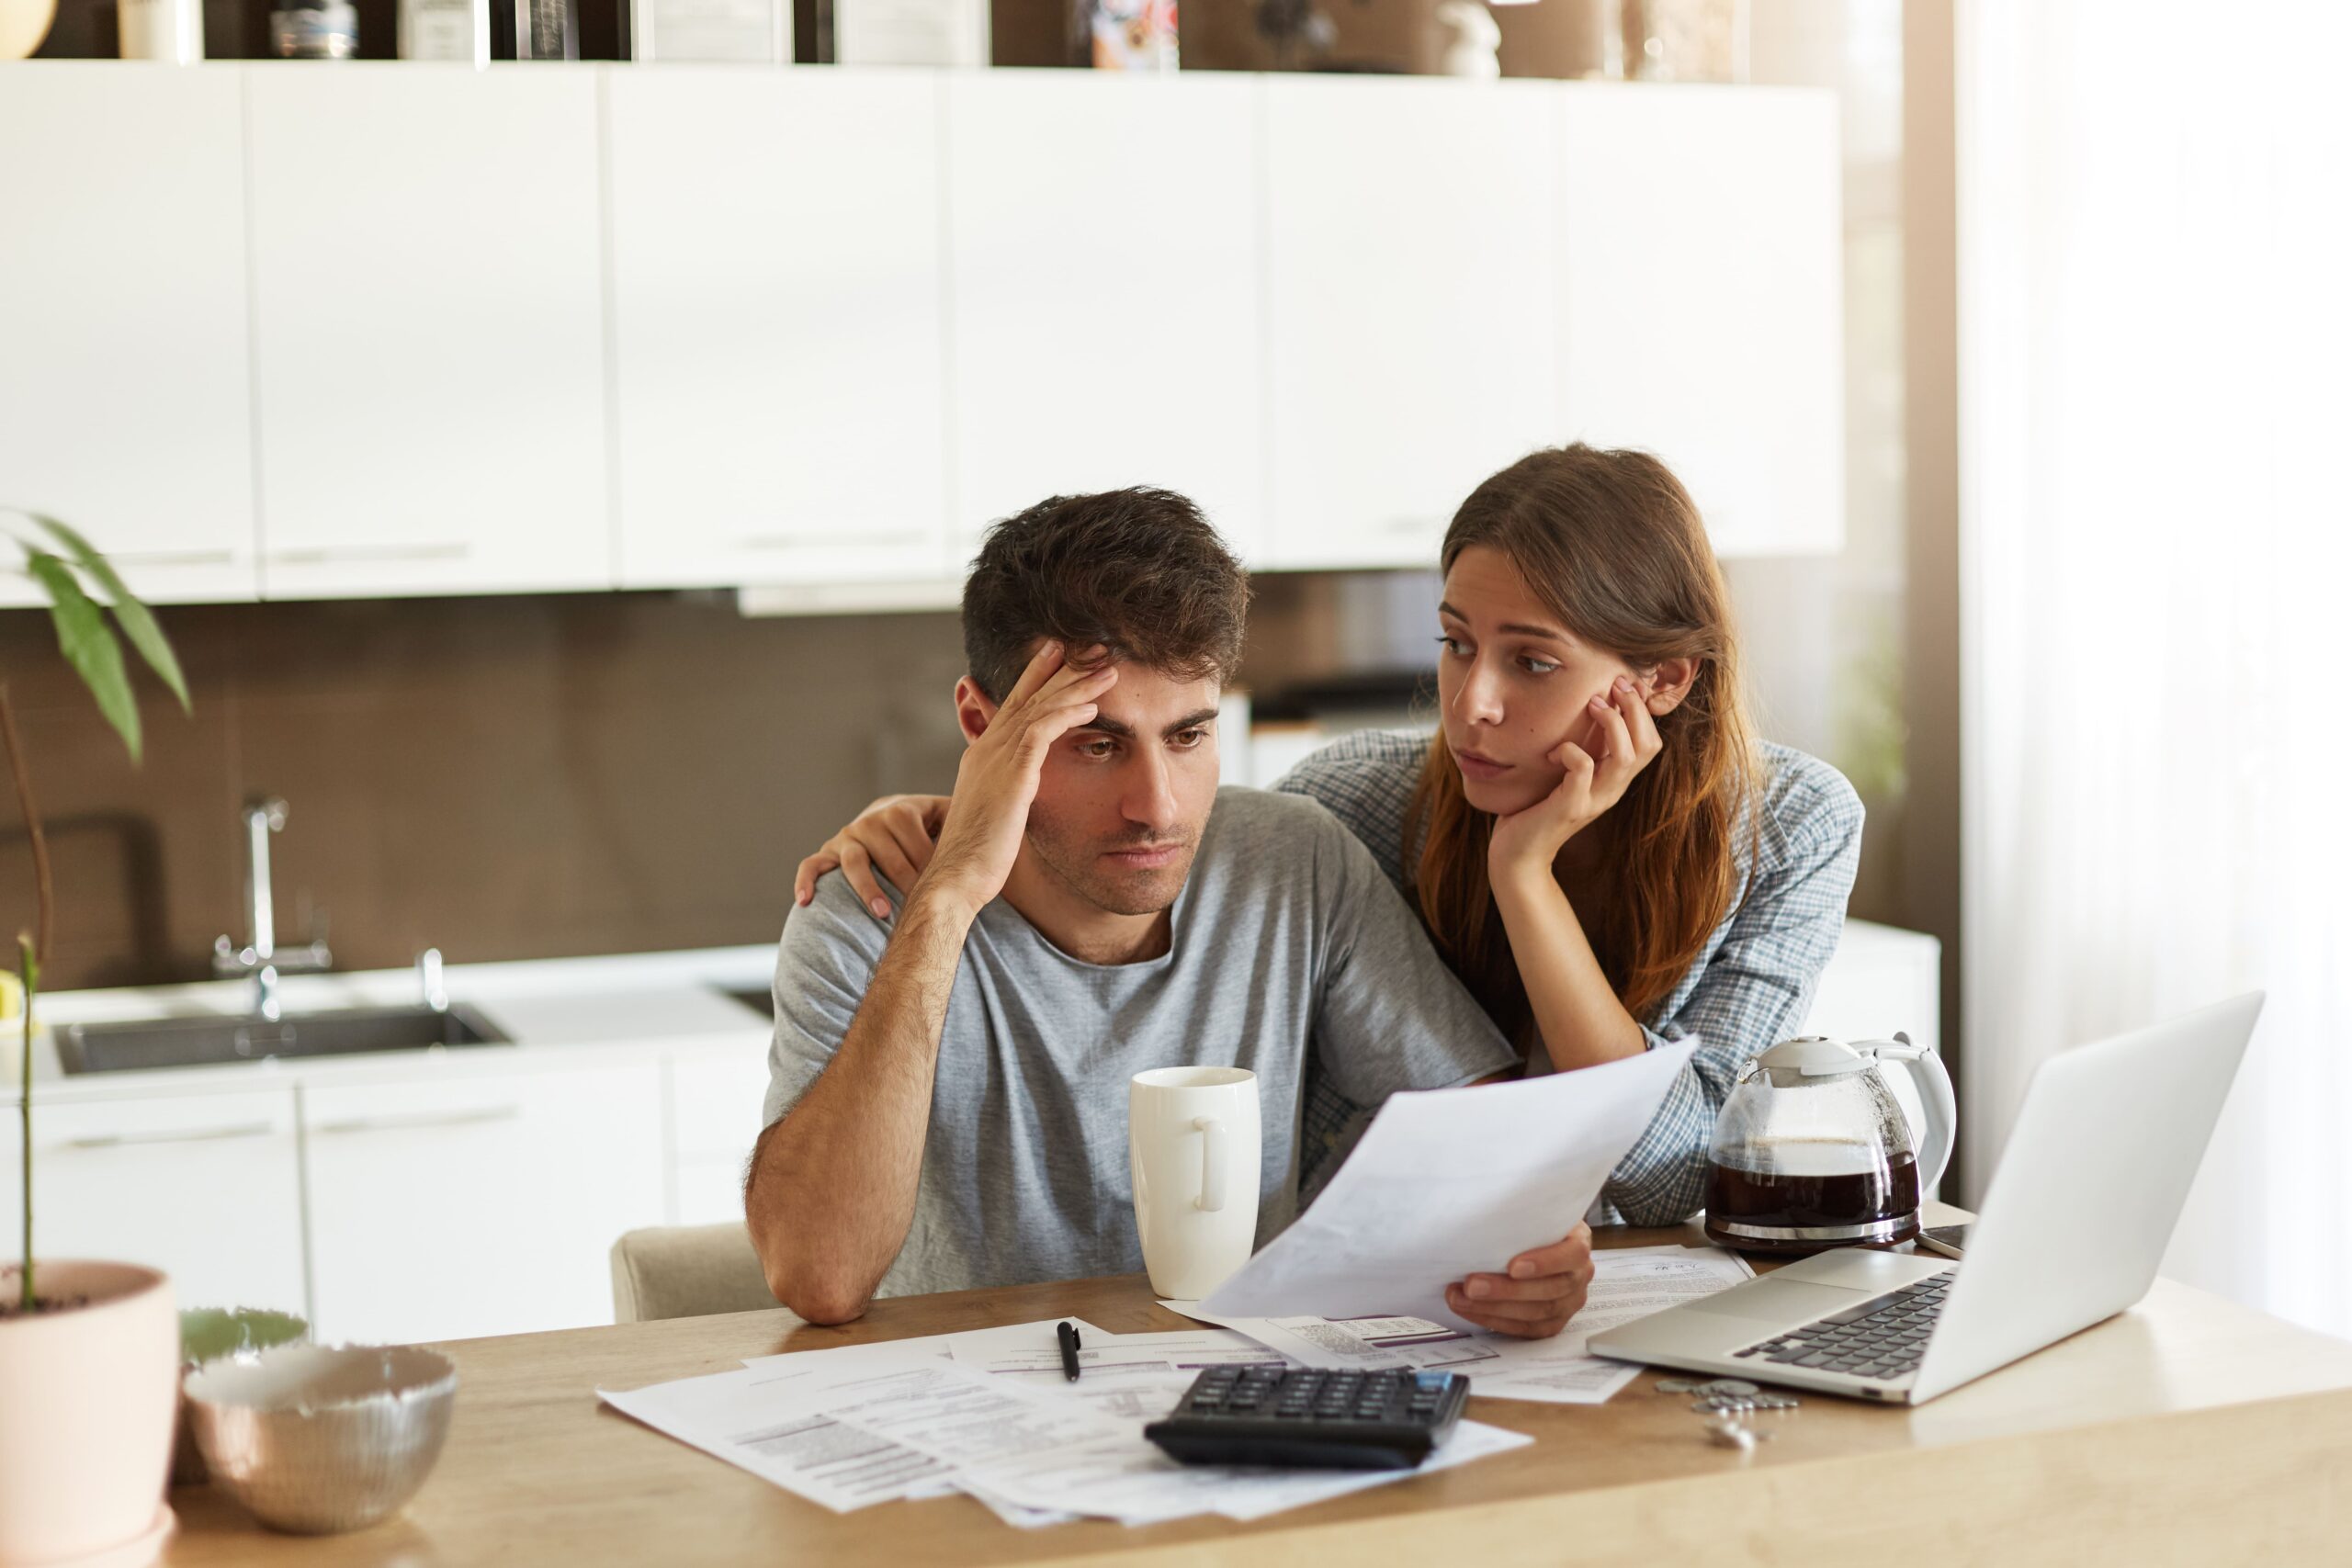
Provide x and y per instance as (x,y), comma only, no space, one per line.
(89,644)
(137,624)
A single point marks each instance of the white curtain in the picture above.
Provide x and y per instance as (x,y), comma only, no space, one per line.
(2155,339)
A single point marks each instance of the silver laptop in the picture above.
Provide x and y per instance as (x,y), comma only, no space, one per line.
(2081,1207)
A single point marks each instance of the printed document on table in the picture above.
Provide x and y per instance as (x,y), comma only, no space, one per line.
(1193,1349)
(1449,1182)
(1628,1283)
(761,1420)
(1134,1483)
(1137,1377)
(1188,1349)
(864,1424)
(1036,1347)
(742,1417)
(1358,1344)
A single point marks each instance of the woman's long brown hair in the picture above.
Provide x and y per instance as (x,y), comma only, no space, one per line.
(1612,545)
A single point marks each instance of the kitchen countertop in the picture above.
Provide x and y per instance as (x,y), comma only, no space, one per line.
(659,1002)
(642,999)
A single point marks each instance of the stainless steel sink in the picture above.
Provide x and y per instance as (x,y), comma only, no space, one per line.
(194,1041)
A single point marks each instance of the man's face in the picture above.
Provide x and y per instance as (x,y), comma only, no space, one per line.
(1122,801)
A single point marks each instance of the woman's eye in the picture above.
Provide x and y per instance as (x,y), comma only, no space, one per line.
(1535,666)
(1452,645)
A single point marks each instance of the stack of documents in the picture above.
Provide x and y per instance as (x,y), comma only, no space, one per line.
(1628,1283)
(990,1414)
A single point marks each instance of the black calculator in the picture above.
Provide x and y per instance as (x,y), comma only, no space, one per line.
(1296,1416)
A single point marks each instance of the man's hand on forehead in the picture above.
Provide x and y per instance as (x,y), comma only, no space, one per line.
(997,781)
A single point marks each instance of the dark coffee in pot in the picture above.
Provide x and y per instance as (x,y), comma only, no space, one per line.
(1839,1191)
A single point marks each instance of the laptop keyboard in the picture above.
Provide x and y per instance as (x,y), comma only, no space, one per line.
(1881,1337)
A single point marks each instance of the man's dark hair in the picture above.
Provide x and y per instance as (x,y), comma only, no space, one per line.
(1137,571)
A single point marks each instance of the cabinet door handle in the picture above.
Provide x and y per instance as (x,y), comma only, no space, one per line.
(883,541)
(172,557)
(193,1135)
(371,552)
(399,1122)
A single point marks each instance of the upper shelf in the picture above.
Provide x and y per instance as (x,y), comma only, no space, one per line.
(295,331)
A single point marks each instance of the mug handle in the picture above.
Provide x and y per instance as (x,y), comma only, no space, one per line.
(1212,1130)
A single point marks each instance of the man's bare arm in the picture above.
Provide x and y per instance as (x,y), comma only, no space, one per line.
(832,1185)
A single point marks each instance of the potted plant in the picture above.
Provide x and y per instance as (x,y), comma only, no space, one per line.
(89,1351)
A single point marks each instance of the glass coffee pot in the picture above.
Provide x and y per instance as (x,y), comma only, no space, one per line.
(1813,1150)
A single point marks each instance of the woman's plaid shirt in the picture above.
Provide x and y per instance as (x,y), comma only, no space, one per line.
(1748,988)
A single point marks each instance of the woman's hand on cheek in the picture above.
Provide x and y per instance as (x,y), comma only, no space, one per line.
(1624,740)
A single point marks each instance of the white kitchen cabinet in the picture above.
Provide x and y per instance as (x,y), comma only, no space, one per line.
(1410,305)
(478,1206)
(1105,293)
(1701,300)
(124,404)
(716,1104)
(205,1186)
(776,308)
(429,329)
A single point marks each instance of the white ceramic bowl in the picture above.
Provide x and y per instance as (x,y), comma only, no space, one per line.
(317,1438)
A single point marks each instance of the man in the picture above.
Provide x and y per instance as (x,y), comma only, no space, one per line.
(947,1096)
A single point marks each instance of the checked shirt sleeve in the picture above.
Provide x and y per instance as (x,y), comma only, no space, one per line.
(1752,990)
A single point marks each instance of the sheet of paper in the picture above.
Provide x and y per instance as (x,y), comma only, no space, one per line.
(740,1416)
(962,1417)
(1628,1283)
(1450,1182)
(1191,1349)
(1360,1343)
(1470,1440)
(1132,1391)
(1133,1482)
(1016,1350)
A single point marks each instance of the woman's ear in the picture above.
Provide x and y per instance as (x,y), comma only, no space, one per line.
(1671,681)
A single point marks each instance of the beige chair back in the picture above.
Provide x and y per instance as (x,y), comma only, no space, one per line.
(687,1271)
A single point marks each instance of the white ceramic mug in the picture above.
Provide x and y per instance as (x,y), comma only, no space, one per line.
(1193,1146)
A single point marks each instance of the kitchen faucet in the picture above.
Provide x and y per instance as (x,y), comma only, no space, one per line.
(260,957)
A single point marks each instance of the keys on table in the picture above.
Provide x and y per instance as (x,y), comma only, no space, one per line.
(1729,1401)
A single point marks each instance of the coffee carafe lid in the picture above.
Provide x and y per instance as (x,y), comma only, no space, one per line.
(1812,1056)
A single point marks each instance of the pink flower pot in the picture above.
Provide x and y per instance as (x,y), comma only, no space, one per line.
(87,1401)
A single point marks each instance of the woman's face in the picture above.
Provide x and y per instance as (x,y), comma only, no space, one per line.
(1513,683)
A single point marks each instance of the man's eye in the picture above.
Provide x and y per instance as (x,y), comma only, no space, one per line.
(1097,748)
(1187,738)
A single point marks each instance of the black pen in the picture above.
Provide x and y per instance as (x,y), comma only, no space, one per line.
(1067,1335)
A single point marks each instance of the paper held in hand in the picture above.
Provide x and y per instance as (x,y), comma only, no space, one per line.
(1451,1182)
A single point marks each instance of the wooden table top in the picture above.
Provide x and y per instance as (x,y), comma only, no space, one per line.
(2254,1413)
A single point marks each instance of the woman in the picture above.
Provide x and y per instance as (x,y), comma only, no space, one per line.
(1596,840)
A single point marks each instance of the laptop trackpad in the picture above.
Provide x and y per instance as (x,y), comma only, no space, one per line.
(1786,1302)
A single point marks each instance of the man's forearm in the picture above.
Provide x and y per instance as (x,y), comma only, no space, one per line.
(833,1184)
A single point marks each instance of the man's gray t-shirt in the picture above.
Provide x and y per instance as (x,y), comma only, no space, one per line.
(1286,939)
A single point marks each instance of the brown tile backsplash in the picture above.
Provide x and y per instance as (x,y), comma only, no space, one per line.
(501,778)
(540,776)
